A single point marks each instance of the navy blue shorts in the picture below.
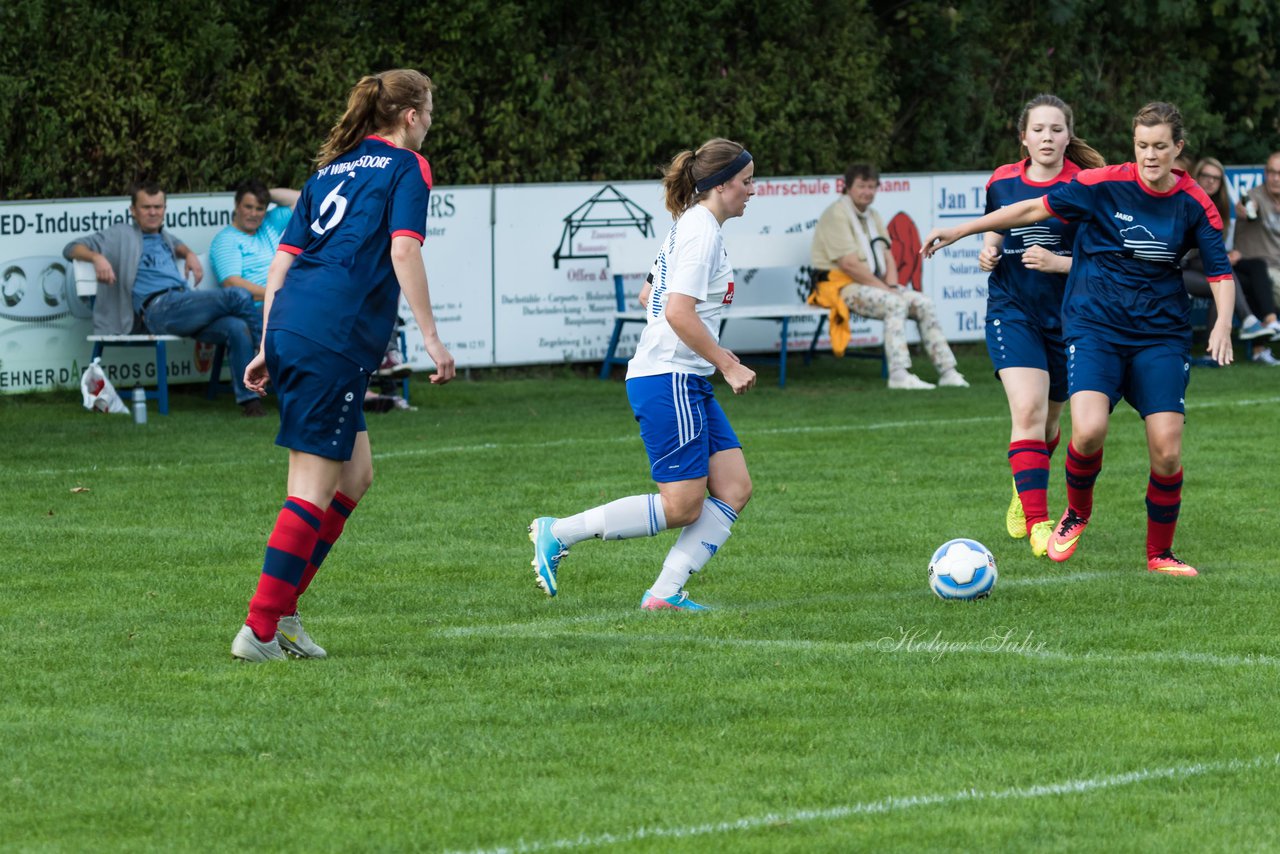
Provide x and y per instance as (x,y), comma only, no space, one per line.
(1018,344)
(1152,377)
(681,424)
(321,396)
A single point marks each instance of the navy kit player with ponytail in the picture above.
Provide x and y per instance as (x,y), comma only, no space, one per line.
(1126,315)
(694,455)
(1024,306)
(352,247)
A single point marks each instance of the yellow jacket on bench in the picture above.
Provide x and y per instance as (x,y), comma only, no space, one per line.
(826,294)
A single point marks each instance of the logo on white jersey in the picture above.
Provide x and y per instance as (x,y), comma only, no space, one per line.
(728,297)
(1145,246)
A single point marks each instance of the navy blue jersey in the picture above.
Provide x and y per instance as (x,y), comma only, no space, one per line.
(1125,283)
(341,291)
(1013,291)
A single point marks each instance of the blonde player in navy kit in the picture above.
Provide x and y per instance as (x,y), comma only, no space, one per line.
(1126,315)
(352,247)
(1024,306)
(694,455)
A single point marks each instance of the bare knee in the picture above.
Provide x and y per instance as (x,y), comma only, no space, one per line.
(1087,443)
(1166,457)
(681,509)
(1088,434)
(735,494)
(1029,418)
(355,481)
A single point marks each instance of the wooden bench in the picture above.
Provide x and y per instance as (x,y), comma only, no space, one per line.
(87,288)
(746,252)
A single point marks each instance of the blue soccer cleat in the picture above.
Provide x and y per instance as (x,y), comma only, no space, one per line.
(547,552)
(678,602)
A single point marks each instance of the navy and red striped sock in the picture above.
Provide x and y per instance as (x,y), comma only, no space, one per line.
(290,546)
(1029,460)
(1082,471)
(335,519)
(1052,444)
(1164,501)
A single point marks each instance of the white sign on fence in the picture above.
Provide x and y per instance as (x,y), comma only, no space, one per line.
(518,274)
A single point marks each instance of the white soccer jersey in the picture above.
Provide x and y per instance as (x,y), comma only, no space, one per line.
(691,261)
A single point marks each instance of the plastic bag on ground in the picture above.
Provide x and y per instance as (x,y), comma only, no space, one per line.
(98,392)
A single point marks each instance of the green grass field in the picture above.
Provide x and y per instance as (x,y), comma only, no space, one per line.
(830,703)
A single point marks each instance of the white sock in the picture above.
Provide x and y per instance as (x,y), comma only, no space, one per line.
(633,516)
(694,547)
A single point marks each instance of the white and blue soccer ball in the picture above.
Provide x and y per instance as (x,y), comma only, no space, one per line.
(962,569)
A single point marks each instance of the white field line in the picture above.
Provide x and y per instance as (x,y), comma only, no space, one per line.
(573,441)
(894,804)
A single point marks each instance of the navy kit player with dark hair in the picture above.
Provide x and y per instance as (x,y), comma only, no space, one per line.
(694,455)
(1024,306)
(352,247)
(1126,315)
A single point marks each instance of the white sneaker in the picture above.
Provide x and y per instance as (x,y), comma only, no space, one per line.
(909,381)
(953,378)
(293,639)
(1264,357)
(393,365)
(247,647)
(1274,326)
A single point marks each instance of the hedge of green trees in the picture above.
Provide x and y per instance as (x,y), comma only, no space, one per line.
(96,93)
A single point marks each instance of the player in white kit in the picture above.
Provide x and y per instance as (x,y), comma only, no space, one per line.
(694,455)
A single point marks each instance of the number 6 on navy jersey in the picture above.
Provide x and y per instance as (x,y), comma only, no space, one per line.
(333,200)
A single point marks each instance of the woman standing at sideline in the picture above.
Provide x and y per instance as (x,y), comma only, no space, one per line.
(1126,315)
(352,247)
(694,455)
(1024,306)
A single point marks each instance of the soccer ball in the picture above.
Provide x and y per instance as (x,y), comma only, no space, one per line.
(962,569)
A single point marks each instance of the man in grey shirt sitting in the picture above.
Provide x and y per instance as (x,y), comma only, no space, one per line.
(140,287)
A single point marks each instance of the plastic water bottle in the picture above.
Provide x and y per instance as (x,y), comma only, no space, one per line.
(139,405)
(1250,208)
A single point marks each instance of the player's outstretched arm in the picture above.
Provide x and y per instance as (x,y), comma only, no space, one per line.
(1023,213)
(411,273)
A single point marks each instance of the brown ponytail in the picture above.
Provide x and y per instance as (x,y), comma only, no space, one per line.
(680,180)
(1083,155)
(374,104)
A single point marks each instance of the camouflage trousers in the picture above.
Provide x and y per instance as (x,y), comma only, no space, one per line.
(894,307)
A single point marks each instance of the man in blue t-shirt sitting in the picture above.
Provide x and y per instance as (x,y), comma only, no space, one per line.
(138,277)
(242,252)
